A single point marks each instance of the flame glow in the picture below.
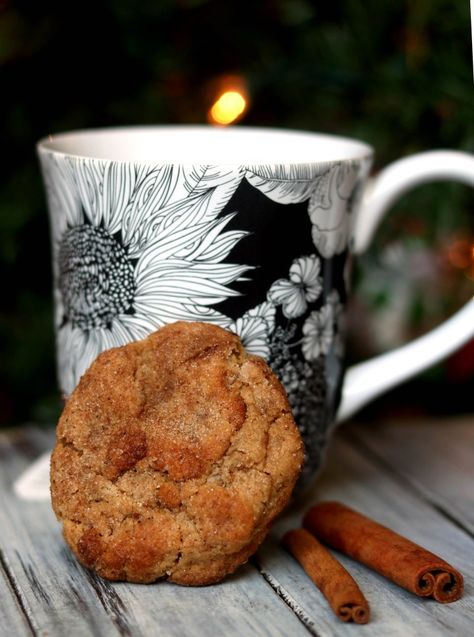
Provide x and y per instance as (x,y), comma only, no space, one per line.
(460,254)
(228,107)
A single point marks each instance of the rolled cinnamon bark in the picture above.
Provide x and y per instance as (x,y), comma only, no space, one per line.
(384,551)
(335,583)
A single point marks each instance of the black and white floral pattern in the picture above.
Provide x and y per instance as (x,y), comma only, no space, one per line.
(318,333)
(328,209)
(139,246)
(322,329)
(304,284)
(255,328)
(136,247)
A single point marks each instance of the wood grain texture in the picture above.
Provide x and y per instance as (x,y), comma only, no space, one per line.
(54,599)
(356,480)
(405,477)
(13,620)
(435,458)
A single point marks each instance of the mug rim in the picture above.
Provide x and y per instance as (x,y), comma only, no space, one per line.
(210,145)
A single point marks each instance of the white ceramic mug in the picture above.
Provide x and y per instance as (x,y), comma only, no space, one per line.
(251,229)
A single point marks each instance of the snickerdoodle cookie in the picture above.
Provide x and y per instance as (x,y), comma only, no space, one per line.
(173,456)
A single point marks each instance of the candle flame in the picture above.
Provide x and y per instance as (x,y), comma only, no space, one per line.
(228,107)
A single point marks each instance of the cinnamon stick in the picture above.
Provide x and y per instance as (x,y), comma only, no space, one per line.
(335,583)
(381,549)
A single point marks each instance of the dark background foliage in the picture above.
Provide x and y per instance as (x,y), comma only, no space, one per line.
(396,74)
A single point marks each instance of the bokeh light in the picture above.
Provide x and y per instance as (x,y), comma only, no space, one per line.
(229,107)
(228,99)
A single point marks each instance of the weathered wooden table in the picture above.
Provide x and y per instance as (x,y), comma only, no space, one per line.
(416,477)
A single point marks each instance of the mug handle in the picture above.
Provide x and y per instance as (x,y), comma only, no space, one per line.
(367,380)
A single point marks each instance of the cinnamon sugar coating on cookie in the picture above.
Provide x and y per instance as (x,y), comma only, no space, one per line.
(173,456)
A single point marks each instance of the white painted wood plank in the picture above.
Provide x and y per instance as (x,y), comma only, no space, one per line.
(435,457)
(55,600)
(60,597)
(237,606)
(358,482)
(12,619)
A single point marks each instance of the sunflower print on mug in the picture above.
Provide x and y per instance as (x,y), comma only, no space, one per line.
(135,247)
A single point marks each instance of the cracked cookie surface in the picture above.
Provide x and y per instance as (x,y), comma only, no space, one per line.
(173,456)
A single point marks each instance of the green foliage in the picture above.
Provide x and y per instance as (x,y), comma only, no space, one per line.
(396,74)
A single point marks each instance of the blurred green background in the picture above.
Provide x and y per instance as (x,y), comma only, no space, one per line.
(398,75)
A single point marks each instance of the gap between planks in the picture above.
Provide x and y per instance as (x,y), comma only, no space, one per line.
(409,468)
(355,477)
(278,571)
